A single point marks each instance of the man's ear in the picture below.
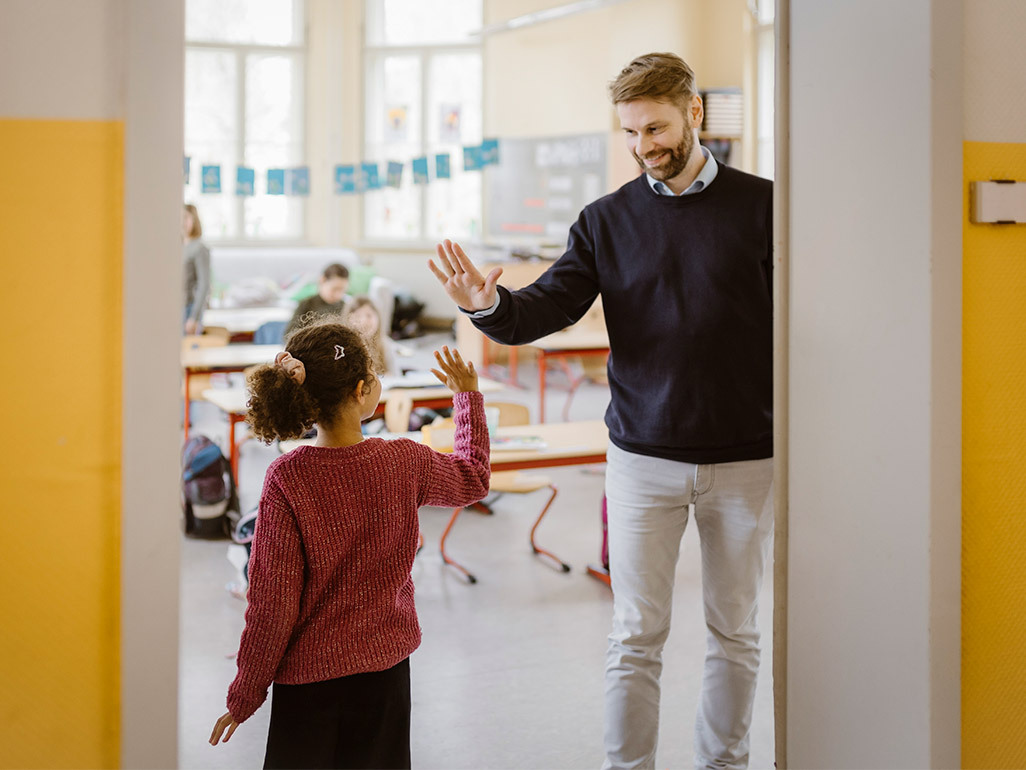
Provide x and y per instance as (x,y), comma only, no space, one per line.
(697,111)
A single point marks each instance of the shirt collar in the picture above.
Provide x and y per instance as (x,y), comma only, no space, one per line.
(704,179)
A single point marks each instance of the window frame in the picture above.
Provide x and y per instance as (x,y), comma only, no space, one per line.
(373,55)
(299,52)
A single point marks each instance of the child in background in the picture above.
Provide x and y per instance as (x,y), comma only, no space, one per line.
(330,298)
(331,618)
(363,316)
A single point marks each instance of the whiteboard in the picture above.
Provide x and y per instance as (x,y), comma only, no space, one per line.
(540,185)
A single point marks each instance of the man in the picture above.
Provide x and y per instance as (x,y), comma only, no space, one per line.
(682,258)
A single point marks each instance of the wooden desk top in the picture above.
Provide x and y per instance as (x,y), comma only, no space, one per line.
(574,339)
(228,357)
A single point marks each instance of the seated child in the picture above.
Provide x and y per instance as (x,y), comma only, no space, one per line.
(363,316)
(330,298)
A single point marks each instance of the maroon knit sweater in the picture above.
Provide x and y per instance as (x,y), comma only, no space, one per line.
(330,592)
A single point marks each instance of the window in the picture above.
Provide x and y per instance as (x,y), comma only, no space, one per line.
(244,91)
(423,86)
(765,56)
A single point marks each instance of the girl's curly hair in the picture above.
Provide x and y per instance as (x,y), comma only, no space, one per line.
(281,408)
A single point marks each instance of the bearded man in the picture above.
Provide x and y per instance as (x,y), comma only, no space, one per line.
(682,257)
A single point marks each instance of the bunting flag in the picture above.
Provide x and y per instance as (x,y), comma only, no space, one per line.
(490,152)
(420,170)
(345,180)
(297,181)
(186,165)
(210,179)
(442,170)
(245,181)
(369,179)
(395,173)
(472,159)
(275,181)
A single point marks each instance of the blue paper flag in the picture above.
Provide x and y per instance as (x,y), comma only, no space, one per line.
(442,166)
(297,181)
(472,158)
(275,181)
(211,179)
(245,181)
(369,176)
(395,173)
(345,180)
(490,152)
(187,163)
(420,170)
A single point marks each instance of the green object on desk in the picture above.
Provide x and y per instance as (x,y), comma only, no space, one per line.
(305,290)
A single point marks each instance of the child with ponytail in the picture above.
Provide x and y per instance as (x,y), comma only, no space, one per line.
(331,618)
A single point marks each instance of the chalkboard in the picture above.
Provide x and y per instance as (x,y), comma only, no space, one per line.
(540,185)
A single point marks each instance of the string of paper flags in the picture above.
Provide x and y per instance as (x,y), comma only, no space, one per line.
(349,179)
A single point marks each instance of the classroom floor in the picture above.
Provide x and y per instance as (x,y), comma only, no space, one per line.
(509,674)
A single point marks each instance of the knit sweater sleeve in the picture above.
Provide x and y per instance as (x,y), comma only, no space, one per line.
(460,478)
(559,298)
(276,574)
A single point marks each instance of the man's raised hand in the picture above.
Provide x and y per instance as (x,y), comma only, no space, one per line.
(462,281)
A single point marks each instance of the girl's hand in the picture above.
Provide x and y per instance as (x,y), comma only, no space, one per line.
(225,722)
(456,375)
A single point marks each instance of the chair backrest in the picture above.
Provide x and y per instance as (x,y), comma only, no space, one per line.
(270,333)
(511,413)
(398,408)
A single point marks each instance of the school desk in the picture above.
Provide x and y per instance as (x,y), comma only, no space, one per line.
(569,343)
(232,401)
(241,322)
(223,358)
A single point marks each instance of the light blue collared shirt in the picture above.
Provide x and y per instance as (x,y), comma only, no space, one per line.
(704,179)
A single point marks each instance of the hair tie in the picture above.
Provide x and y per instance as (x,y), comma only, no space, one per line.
(293,367)
(340,352)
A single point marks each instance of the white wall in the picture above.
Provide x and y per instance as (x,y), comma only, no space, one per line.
(874,401)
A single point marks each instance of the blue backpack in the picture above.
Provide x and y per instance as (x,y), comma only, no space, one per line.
(210,500)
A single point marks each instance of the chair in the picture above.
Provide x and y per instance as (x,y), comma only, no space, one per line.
(502,482)
(200,381)
(398,408)
(270,333)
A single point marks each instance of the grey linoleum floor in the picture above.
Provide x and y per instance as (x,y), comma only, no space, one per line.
(509,674)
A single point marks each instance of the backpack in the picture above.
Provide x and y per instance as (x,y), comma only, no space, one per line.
(210,500)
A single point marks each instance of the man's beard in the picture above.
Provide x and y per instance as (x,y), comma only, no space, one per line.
(677,162)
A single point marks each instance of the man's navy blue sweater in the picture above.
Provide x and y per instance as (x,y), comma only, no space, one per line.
(686,285)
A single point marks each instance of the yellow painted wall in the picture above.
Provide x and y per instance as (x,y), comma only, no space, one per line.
(994,475)
(60,312)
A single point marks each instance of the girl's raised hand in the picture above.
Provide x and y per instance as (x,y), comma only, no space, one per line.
(456,375)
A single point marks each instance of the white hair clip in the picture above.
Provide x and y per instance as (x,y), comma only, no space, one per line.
(340,352)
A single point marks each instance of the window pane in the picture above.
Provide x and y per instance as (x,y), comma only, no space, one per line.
(412,22)
(454,120)
(267,22)
(210,135)
(274,139)
(393,132)
(765,99)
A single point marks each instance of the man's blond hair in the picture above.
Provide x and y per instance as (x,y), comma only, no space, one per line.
(663,77)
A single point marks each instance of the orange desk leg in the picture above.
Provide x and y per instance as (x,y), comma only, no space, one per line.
(187,375)
(542,365)
(233,447)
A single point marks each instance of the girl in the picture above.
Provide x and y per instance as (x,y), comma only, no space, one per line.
(196,270)
(331,619)
(364,317)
